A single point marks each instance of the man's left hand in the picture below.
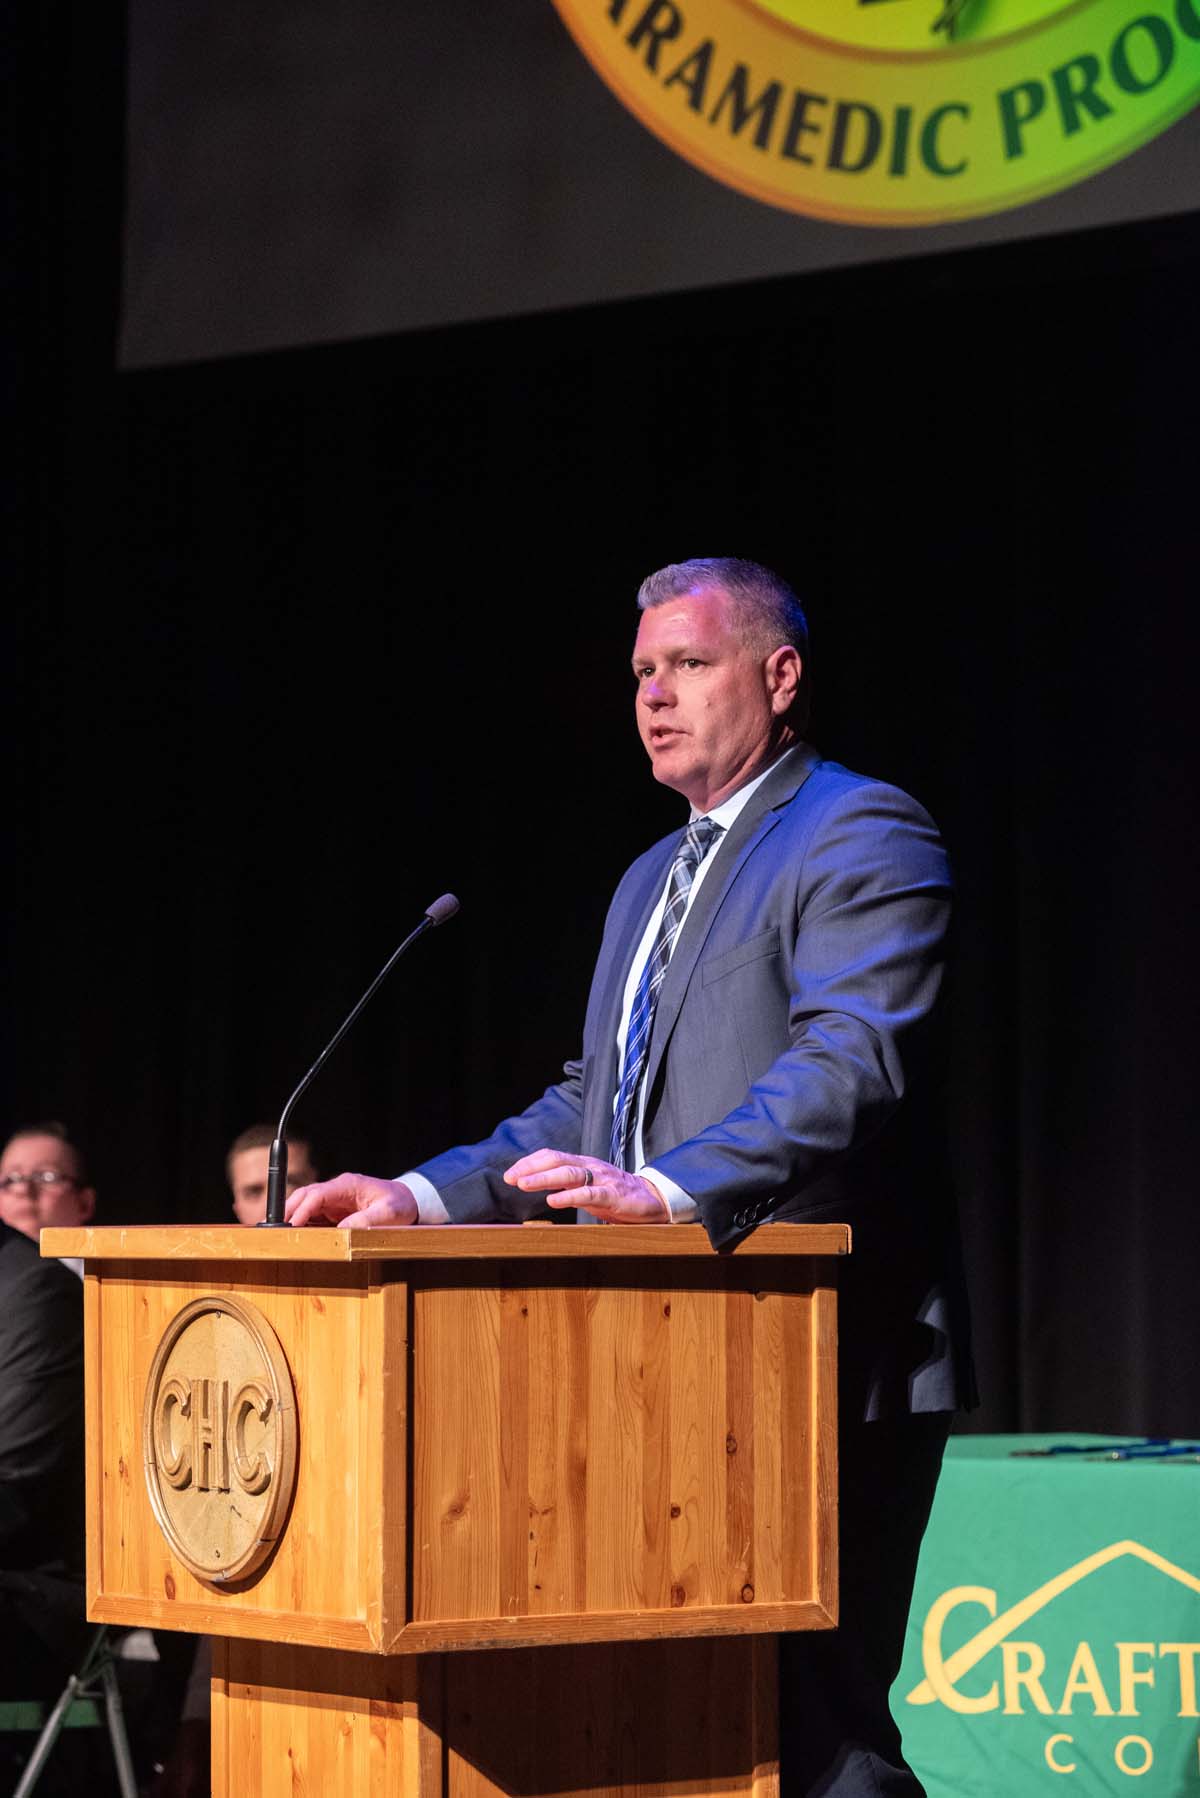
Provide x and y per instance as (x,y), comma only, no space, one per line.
(605,1192)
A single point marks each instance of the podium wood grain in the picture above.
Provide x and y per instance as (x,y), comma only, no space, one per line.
(656,1719)
(601,1447)
(633,1451)
(606,1455)
(337,1577)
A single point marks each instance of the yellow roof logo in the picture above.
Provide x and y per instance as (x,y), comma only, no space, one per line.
(942,1674)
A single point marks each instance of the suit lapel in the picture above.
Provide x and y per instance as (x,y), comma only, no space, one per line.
(627,931)
(751,828)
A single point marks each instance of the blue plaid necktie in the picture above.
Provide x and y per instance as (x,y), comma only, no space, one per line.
(700,836)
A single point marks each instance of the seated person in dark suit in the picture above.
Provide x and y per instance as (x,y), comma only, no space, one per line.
(43,1628)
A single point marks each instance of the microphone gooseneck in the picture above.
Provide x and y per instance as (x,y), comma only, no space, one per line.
(438,913)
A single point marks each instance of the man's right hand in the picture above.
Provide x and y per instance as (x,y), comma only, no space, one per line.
(355,1201)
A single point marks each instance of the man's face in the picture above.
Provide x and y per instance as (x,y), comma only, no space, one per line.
(33,1206)
(248,1178)
(709,709)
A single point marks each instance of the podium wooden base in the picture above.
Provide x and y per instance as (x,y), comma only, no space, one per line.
(668,1719)
(533,1504)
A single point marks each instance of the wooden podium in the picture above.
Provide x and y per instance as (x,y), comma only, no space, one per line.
(502,1510)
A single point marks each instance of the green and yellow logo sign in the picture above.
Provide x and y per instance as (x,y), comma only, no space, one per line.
(896,112)
(1103,1689)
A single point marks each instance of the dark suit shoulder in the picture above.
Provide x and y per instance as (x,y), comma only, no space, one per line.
(806,791)
(843,834)
(41,1306)
(41,1421)
(15,1248)
(22,1263)
(834,797)
(830,781)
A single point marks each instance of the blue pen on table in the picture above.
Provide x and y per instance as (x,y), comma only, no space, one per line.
(1146,1446)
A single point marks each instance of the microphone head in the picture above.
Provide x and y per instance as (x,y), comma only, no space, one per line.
(442,908)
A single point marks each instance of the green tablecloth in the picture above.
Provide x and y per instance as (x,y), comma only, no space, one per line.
(1054,1638)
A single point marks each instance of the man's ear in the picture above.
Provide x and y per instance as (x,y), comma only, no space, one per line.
(783,669)
(87,1204)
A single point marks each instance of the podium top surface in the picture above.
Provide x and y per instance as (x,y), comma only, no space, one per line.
(448,1242)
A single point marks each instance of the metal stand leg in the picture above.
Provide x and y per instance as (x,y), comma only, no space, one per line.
(45,1742)
(96,1679)
(117,1735)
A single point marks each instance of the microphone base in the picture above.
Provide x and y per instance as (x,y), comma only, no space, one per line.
(267,1223)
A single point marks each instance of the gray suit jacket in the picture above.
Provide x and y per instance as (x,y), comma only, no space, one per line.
(792,1067)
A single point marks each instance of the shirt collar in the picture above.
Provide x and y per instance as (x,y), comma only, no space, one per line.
(729,809)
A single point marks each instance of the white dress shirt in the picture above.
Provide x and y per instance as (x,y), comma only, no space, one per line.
(430,1208)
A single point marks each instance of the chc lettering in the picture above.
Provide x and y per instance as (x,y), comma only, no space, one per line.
(200,1435)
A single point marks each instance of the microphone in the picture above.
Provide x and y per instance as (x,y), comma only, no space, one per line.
(437,913)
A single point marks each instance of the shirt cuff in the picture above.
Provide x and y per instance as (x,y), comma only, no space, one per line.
(683,1207)
(430,1209)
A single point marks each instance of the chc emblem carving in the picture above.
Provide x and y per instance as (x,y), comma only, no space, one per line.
(219,1437)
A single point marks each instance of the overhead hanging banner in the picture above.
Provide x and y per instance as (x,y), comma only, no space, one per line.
(907,113)
(352,168)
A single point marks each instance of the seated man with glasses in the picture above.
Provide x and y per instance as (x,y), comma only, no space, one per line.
(43,1182)
(43,1628)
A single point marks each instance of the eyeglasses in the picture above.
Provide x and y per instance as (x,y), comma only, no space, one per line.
(42,1176)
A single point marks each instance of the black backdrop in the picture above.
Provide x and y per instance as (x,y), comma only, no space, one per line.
(302,640)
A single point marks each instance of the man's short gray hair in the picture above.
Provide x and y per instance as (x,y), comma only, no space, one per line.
(766,612)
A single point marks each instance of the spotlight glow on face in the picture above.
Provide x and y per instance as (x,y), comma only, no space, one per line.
(896,112)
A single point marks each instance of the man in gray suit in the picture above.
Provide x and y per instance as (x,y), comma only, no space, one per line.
(759,1045)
